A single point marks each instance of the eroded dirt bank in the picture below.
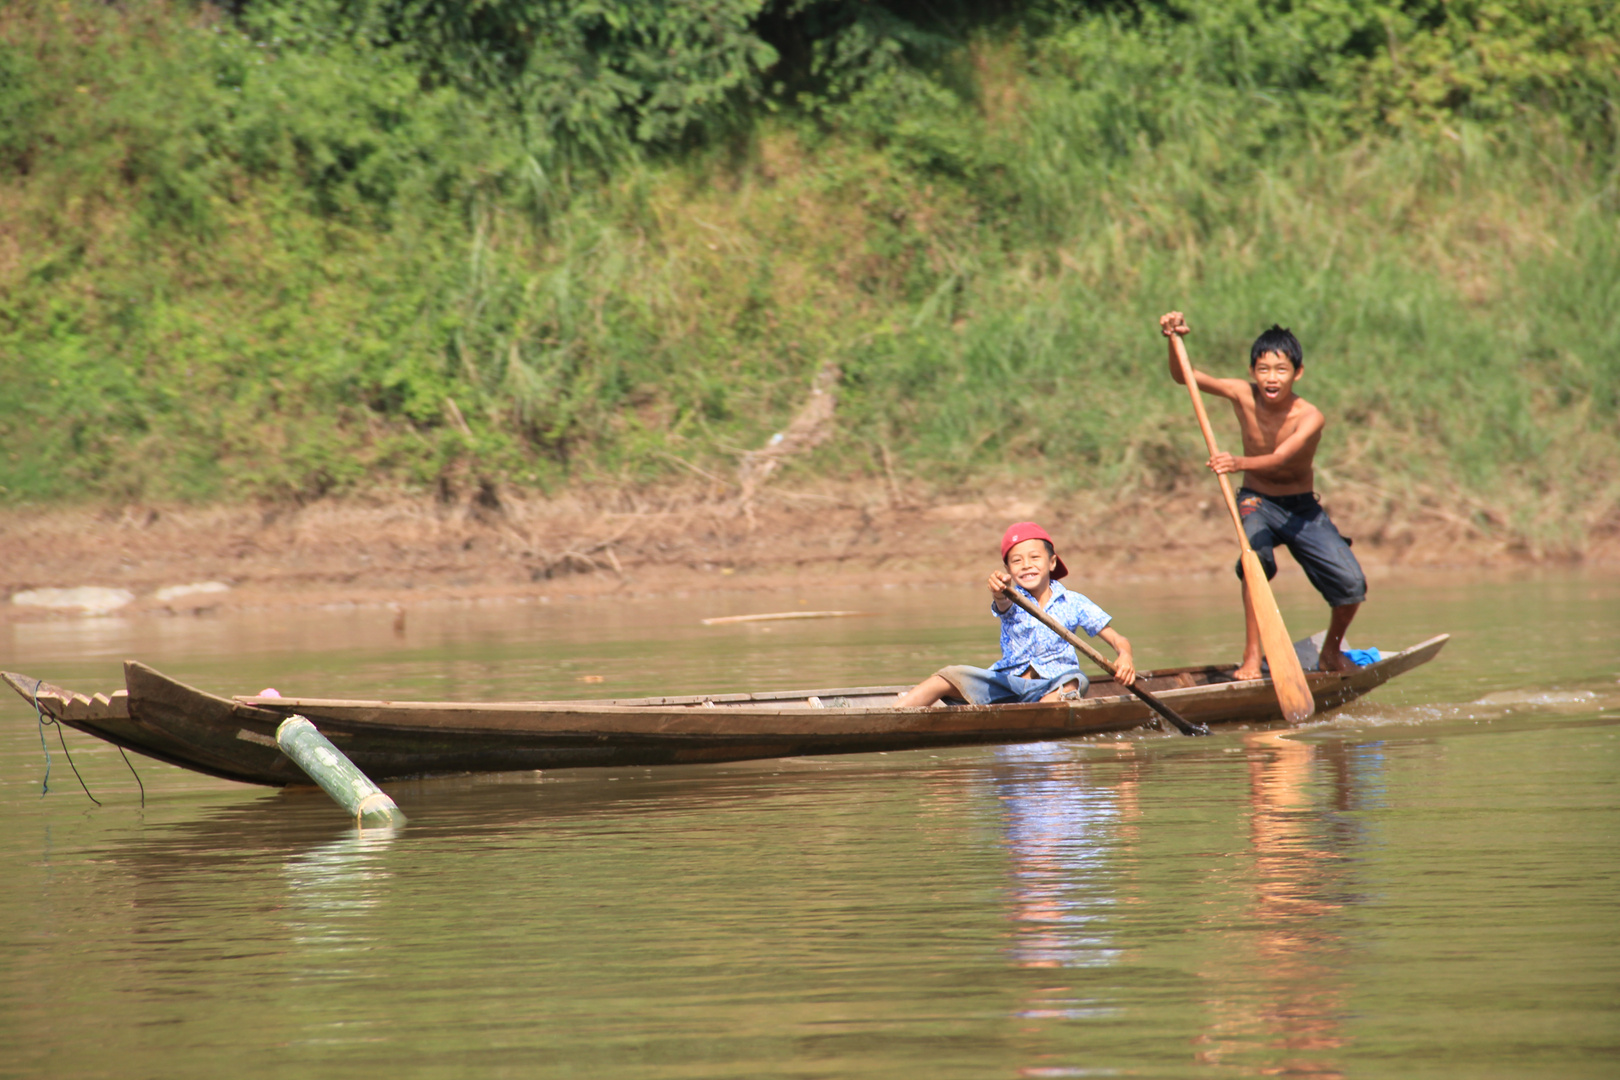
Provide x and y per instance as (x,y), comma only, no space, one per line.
(401,551)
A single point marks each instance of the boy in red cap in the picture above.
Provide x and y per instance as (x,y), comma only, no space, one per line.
(1035,664)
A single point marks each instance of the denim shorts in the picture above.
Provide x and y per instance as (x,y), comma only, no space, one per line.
(1299,523)
(979,686)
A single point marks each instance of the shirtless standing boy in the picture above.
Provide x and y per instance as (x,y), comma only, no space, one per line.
(1280,433)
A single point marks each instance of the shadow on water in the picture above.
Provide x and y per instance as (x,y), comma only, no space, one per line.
(291,820)
(1069,806)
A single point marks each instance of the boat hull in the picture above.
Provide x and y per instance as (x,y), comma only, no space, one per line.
(235,737)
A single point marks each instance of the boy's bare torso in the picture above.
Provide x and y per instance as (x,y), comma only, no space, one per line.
(1265,429)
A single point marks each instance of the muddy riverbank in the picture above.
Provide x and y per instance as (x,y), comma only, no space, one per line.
(402,550)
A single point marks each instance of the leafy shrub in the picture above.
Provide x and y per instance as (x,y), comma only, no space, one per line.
(321,244)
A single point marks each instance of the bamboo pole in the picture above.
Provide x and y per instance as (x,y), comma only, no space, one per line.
(336,774)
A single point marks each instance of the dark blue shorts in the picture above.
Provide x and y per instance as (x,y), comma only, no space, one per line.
(1299,523)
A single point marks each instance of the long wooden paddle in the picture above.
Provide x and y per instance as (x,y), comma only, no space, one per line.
(1287,676)
(1182,724)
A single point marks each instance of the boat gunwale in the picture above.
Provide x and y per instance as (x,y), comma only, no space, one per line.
(735,704)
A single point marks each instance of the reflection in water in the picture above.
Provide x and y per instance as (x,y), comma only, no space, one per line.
(1285,989)
(1278,986)
(330,887)
(82,638)
(1060,827)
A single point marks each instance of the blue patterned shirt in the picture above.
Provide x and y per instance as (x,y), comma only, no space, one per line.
(1027,643)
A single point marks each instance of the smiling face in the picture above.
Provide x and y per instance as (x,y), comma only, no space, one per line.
(1031,565)
(1275,376)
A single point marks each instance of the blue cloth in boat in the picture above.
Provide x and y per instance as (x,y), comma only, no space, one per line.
(1026,643)
(1310,656)
(981,686)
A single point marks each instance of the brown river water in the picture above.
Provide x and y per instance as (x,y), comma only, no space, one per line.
(1426,883)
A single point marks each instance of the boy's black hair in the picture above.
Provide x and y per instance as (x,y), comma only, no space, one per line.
(1278,339)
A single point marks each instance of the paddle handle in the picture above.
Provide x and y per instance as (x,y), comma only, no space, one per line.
(1181,723)
(1187,376)
(1287,676)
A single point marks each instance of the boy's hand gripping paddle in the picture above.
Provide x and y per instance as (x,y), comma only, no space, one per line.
(1182,724)
(1287,676)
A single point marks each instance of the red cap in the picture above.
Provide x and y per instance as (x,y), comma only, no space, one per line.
(1028,530)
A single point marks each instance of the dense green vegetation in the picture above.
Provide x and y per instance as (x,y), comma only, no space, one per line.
(312,246)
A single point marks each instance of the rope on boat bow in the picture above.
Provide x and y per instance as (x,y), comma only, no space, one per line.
(135,774)
(45,787)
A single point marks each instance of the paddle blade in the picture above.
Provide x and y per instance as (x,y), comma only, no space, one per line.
(1287,677)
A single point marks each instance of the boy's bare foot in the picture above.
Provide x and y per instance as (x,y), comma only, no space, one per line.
(1334,660)
(1243,673)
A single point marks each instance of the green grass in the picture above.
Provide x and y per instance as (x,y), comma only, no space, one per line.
(237,269)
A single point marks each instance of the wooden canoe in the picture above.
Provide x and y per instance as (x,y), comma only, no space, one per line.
(235,737)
